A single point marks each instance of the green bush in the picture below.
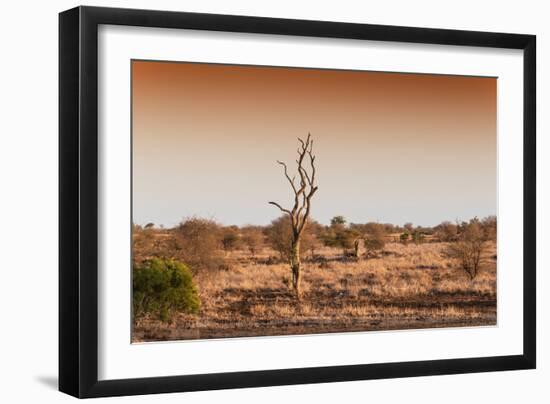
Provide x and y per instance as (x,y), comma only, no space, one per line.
(162,287)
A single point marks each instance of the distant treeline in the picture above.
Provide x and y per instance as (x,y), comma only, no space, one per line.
(204,243)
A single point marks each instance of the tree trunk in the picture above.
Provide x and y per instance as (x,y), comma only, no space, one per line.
(295,266)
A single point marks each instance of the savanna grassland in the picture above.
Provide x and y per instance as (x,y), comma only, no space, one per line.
(245,290)
(255,242)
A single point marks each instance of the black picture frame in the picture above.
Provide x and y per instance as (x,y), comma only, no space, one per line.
(78,201)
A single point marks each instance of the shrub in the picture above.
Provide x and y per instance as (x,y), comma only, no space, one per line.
(279,236)
(201,244)
(253,238)
(446,231)
(418,237)
(162,287)
(374,243)
(489,228)
(230,238)
(375,238)
(468,249)
(143,242)
(338,236)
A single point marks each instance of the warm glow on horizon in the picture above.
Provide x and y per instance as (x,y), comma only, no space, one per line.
(391,147)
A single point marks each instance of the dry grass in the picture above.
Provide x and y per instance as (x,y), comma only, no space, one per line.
(411,286)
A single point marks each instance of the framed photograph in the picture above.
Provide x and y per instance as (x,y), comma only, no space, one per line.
(250,201)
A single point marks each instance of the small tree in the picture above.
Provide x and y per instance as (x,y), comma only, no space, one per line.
(468,249)
(162,287)
(338,221)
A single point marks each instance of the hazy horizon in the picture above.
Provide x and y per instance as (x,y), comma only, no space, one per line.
(423,225)
(391,147)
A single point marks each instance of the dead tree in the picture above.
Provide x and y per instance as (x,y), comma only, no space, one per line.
(301,209)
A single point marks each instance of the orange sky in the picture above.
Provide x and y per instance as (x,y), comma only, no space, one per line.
(390,147)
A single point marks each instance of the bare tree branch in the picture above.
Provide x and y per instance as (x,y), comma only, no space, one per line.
(290,180)
(281,208)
